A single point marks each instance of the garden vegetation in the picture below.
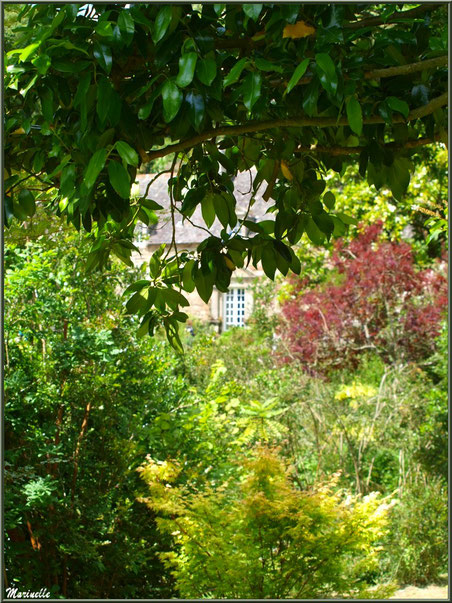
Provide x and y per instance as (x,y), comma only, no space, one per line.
(303,456)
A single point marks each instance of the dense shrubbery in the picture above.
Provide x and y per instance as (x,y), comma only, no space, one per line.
(417,544)
(258,536)
(265,454)
(80,396)
(374,300)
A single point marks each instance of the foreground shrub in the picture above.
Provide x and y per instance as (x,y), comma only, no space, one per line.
(418,541)
(375,300)
(260,537)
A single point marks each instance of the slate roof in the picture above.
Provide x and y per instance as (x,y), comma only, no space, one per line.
(186,233)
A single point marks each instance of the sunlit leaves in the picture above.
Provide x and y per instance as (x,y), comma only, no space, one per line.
(187,66)
(251,89)
(95,166)
(172,99)
(161,24)
(235,72)
(119,178)
(252,10)
(126,153)
(297,75)
(327,72)
(354,115)
(154,76)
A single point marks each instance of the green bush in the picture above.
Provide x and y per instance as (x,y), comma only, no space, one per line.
(417,548)
(257,536)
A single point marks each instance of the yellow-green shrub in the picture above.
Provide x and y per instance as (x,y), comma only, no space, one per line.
(257,536)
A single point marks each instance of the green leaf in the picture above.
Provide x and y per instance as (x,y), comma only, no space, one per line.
(346,219)
(60,166)
(251,89)
(172,333)
(102,54)
(18,211)
(206,70)
(104,94)
(8,209)
(204,285)
(252,10)
(297,75)
(329,200)
(28,51)
(208,210)
(47,104)
(137,286)
(136,303)
(82,89)
(187,66)
(268,260)
(27,202)
(325,224)
(126,24)
(221,209)
(398,105)
(95,166)
(399,177)
(310,98)
(187,278)
(150,204)
(196,110)
(173,298)
(127,154)
(354,115)
(162,22)
(264,65)
(339,227)
(295,265)
(235,72)
(314,232)
(327,72)
(146,109)
(172,99)
(69,66)
(31,83)
(104,28)
(144,326)
(192,198)
(42,63)
(119,178)
(67,181)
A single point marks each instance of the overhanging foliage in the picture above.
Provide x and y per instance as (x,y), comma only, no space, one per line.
(293,90)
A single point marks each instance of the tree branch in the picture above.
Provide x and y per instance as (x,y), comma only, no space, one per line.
(246,43)
(409,144)
(384,72)
(408,14)
(317,122)
(406,69)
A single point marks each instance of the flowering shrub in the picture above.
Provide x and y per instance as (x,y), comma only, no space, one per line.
(377,300)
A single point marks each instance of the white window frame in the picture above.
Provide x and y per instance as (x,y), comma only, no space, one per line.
(234,305)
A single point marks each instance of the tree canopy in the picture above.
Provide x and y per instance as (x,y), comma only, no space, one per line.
(288,90)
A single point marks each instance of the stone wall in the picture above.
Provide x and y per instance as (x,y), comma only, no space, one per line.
(213,311)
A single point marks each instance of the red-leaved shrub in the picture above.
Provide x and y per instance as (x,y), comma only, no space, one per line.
(382,303)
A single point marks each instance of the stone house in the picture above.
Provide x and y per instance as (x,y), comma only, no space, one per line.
(223,309)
